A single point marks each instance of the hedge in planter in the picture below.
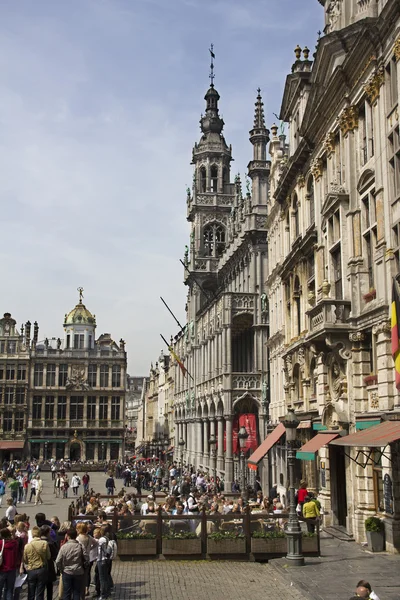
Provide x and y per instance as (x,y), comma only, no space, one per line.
(275,542)
(227,542)
(375,530)
(184,542)
(136,544)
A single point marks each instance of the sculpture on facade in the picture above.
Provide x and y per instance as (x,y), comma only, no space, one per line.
(77,380)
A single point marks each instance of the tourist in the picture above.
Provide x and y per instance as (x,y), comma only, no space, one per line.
(87,542)
(65,485)
(86,481)
(75,483)
(33,489)
(14,487)
(363,587)
(39,490)
(25,485)
(45,534)
(310,514)
(110,485)
(11,511)
(300,497)
(71,561)
(36,556)
(2,488)
(58,485)
(8,568)
(103,563)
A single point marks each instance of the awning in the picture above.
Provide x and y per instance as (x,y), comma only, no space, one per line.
(375,437)
(11,445)
(310,448)
(304,425)
(49,440)
(266,446)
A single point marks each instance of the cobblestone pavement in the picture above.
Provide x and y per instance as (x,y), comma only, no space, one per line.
(334,574)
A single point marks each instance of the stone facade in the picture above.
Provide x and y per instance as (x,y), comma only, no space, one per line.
(223,342)
(333,239)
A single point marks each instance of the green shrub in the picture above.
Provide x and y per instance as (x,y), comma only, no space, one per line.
(180,535)
(135,535)
(268,535)
(218,536)
(374,524)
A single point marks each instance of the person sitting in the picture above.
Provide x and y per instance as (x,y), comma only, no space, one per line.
(364,590)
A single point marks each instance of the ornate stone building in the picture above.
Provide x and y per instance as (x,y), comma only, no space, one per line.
(333,240)
(77,392)
(14,374)
(223,342)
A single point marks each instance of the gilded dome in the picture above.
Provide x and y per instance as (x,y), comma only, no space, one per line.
(80,315)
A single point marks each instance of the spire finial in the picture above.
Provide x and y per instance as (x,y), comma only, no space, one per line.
(259,122)
(80,290)
(212,76)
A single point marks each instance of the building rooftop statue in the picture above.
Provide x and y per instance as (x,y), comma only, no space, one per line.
(80,315)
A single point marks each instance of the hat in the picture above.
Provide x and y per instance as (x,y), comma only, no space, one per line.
(150,497)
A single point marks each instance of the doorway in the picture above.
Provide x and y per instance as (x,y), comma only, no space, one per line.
(75,452)
(338,486)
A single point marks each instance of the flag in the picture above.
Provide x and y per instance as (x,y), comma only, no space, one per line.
(212,53)
(395,330)
(179,361)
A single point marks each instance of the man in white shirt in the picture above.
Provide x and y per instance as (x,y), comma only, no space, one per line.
(145,506)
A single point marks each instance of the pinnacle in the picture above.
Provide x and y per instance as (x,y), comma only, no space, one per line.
(259,121)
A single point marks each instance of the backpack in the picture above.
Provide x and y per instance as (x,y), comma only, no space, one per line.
(2,488)
(112,549)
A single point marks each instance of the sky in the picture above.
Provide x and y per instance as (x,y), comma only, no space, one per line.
(100,103)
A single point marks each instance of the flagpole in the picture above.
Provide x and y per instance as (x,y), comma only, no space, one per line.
(170,311)
(169,348)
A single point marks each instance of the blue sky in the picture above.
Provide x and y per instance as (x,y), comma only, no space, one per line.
(100,103)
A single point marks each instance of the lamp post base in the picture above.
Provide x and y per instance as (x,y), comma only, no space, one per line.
(294,550)
(295,561)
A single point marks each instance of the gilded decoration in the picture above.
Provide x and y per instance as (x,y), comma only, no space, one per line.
(317,166)
(329,143)
(396,49)
(348,120)
(373,85)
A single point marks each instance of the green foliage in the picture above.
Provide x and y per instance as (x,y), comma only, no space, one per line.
(180,535)
(374,524)
(219,536)
(135,535)
(268,535)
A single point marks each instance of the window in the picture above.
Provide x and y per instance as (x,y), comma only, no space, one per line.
(394,160)
(104,375)
(12,347)
(62,407)
(378,483)
(9,395)
(116,376)
(214,240)
(103,408)
(391,83)
(10,372)
(92,375)
(19,421)
(115,408)
(62,375)
(90,450)
(369,233)
(90,341)
(76,408)
(79,340)
(214,179)
(7,420)
(49,408)
(311,199)
(297,303)
(21,372)
(1,372)
(68,341)
(114,451)
(51,375)
(91,408)
(38,375)
(336,256)
(37,407)
(20,396)
(203,179)
(295,214)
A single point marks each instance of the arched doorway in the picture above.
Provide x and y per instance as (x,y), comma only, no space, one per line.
(75,451)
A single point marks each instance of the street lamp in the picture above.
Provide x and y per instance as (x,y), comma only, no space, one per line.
(212,443)
(242,436)
(293,532)
(45,452)
(102,451)
(181,444)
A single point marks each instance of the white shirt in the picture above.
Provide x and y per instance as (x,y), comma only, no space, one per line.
(373,596)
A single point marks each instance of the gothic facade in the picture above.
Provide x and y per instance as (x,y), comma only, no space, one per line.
(333,240)
(223,342)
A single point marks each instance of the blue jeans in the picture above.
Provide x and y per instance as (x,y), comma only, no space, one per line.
(103,568)
(110,491)
(37,579)
(73,586)
(7,581)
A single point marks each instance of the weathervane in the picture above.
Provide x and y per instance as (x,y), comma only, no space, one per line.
(212,76)
(80,290)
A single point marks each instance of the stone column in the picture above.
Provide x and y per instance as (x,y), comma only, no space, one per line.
(229,350)
(228,454)
(206,451)
(197,440)
(96,453)
(220,440)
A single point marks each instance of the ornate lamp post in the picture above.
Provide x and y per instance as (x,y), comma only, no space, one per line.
(181,444)
(102,451)
(242,436)
(45,452)
(213,454)
(293,533)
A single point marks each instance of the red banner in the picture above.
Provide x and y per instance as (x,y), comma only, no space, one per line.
(249,422)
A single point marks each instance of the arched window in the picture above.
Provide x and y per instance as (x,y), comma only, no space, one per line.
(214,178)
(297,383)
(225,180)
(296,298)
(295,212)
(203,179)
(214,239)
(311,199)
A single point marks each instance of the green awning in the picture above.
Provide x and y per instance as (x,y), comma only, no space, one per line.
(319,427)
(53,441)
(104,441)
(366,424)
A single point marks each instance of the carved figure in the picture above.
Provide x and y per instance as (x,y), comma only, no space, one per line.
(77,380)
(337,381)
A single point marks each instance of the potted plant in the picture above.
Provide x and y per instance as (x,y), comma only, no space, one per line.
(309,543)
(181,542)
(375,530)
(268,542)
(135,543)
(226,542)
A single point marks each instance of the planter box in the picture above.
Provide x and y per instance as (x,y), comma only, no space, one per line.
(269,546)
(309,544)
(136,547)
(226,546)
(181,546)
(376,541)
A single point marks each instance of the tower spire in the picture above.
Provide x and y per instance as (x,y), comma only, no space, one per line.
(212,76)
(259,121)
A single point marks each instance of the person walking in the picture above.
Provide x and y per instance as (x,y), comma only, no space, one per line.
(58,485)
(86,481)
(14,487)
(33,489)
(310,514)
(36,556)
(25,485)
(72,559)
(75,483)
(39,490)
(11,511)
(110,485)
(65,486)
(9,563)
(103,564)
(2,489)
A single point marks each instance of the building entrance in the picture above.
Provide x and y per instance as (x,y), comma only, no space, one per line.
(338,483)
(75,451)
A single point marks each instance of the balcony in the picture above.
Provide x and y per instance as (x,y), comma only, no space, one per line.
(246,381)
(329,314)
